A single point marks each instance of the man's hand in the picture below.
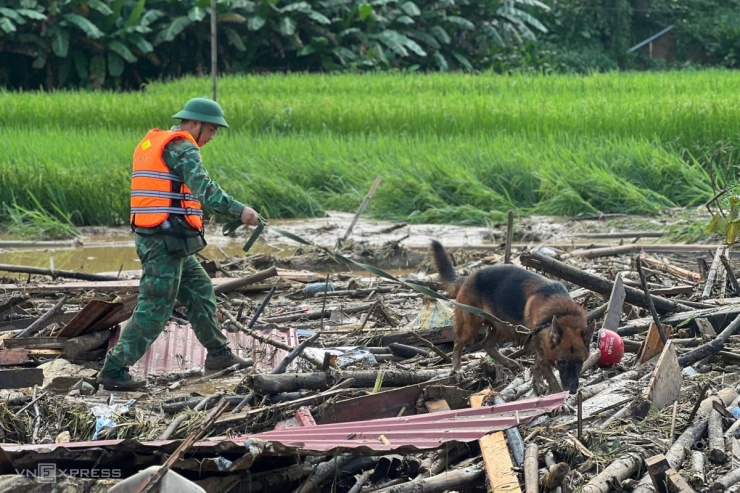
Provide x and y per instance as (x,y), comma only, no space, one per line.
(249,217)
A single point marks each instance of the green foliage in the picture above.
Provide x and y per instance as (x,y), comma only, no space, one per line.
(111,43)
(37,223)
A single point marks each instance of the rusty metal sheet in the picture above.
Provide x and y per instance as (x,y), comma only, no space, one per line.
(384,404)
(94,311)
(177,348)
(404,434)
(419,431)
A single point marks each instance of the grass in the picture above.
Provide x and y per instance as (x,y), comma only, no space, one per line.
(450,147)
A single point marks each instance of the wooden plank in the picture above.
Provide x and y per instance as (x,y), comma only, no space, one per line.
(496,458)
(476,400)
(705,327)
(91,313)
(676,484)
(437,406)
(19,378)
(499,468)
(657,466)
(12,357)
(664,386)
(35,342)
(614,308)
(653,344)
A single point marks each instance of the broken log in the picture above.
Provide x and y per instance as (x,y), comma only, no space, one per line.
(290,382)
(78,347)
(698,476)
(712,347)
(621,469)
(244,281)
(670,269)
(531,469)
(554,476)
(595,283)
(280,368)
(441,460)
(730,274)
(183,416)
(329,469)
(405,351)
(455,479)
(54,273)
(716,452)
(43,320)
(274,479)
(430,345)
(318,314)
(676,453)
(713,271)
(361,481)
(729,479)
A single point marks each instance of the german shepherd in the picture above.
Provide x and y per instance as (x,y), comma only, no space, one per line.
(519,297)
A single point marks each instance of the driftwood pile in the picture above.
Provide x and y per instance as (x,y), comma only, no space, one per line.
(664,419)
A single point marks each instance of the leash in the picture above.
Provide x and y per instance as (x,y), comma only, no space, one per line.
(231,226)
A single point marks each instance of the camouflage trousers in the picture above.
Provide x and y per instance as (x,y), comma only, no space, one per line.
(165,280)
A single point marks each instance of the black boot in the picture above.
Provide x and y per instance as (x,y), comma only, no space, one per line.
(219,359)
(119,380)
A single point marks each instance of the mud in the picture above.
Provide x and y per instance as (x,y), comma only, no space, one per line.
(111,250)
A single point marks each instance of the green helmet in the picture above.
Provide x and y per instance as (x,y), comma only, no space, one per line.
(202,110)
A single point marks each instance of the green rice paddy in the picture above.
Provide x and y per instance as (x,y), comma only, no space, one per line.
(450,148)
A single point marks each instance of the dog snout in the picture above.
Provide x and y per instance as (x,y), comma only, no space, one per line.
(569,376)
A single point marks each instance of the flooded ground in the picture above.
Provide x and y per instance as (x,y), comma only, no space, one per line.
(111,250)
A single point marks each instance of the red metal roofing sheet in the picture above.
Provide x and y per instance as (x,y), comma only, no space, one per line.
(405,434)
(177,348)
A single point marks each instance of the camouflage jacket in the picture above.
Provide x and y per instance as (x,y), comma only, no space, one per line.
(184,159)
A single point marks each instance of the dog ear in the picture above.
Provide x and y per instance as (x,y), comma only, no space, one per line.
(556,332)
(588,335)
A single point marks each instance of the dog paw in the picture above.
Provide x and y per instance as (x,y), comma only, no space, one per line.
(564,410)
(540,386)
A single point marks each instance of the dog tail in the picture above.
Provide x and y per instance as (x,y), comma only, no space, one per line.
(447,274)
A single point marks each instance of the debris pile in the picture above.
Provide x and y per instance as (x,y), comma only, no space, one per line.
(350,386)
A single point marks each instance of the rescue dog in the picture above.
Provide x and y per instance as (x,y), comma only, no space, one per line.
(555,328)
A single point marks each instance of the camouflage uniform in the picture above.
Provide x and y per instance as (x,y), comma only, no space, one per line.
(166,279)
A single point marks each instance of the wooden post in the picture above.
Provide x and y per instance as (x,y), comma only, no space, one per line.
(362,208)
(509,237)
(531,469)
(214,47)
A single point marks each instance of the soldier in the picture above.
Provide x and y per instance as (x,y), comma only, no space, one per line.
(168,185)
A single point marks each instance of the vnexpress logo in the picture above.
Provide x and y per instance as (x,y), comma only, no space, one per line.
(46,473)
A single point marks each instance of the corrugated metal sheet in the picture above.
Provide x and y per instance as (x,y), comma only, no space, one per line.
(404,434)
(420,431)
(177,348)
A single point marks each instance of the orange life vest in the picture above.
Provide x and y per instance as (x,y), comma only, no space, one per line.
(155,191)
